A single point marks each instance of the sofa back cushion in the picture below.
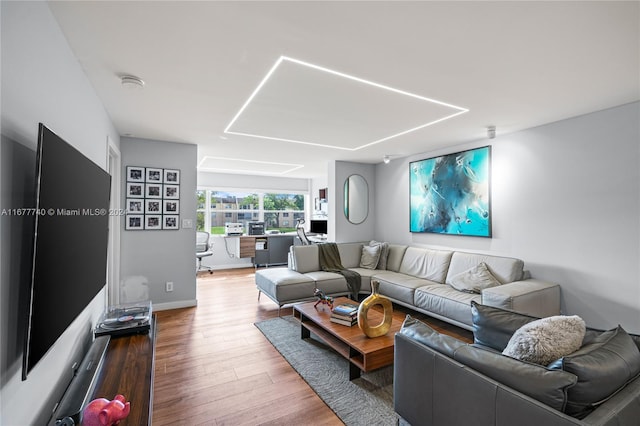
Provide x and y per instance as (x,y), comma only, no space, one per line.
(533,380)
(603,366)
(493,327)
(350,254)
(394,259)
(422,333)
(505,269)
(305,258)
(426,263)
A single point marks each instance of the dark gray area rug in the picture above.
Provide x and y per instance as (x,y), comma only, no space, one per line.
(367,400)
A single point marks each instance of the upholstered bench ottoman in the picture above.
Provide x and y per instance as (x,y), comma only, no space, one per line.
(284,286)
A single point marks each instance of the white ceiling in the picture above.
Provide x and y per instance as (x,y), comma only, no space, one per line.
(358,78)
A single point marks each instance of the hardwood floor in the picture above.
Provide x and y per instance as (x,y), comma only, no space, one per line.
(214,367)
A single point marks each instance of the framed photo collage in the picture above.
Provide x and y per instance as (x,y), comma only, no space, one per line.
(152,198)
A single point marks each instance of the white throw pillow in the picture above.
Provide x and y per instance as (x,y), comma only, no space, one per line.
(474,280)
(547,339)
(370,256)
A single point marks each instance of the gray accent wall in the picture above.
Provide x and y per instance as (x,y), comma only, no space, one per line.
(340,229)
(42,81)
(154,257)
(565,199)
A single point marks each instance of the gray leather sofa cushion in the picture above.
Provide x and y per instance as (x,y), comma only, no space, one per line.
(305,258)
(421,332)
(538,382)
(365,279)
(398,286)
(426,263)
(394,260)
(350,254)
(603,366)
(493,327)
(505,269)
(284,284)
(442,299)
(329,282)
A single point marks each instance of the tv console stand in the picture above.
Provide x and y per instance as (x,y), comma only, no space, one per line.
(118,365)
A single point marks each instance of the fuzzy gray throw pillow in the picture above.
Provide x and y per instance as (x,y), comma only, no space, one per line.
(547,339)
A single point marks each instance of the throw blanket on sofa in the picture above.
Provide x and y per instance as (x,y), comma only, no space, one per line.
(330,262)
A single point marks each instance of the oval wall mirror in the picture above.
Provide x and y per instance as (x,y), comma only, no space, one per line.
(356,199)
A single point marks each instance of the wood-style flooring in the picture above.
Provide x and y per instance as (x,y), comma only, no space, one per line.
(214,367)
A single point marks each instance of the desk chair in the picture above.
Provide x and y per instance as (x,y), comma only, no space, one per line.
(301,234)
(203,249)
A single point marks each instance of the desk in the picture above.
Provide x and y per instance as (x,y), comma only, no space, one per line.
(317,240)
(272,249)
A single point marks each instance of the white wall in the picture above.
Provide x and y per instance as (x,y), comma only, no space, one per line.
(317,184)
(159,256)
(251,182)
(565,199)
(42,81)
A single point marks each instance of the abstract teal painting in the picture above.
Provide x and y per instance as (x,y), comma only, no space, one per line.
(450,194)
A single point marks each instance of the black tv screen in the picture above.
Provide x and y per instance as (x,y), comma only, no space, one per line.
(318,226)
(70,243)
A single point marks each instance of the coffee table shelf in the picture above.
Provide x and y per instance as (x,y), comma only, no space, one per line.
(363,353)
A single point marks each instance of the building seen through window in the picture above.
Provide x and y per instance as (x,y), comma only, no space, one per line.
(278,211)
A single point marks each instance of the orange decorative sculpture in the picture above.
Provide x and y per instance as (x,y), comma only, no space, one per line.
(375,299)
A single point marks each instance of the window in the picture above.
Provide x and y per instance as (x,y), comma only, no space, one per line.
(279,211)
(280,206)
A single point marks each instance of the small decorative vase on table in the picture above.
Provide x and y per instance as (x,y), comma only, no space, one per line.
(363,311)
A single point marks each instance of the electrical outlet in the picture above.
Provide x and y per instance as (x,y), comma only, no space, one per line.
(169,286)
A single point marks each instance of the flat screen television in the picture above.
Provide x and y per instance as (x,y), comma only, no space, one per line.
(318,226)
(70,241)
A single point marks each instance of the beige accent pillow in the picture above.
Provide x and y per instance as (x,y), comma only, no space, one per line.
(384,253)
(474,280)
(370,257)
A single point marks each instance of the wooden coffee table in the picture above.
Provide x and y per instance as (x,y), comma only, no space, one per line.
(363,353)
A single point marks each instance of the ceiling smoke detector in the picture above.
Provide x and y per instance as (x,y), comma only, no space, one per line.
(131,82)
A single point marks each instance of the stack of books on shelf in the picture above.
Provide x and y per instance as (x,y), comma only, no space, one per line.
(345,314)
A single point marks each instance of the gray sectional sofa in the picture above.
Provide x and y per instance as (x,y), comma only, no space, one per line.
(439,380)
(416,277)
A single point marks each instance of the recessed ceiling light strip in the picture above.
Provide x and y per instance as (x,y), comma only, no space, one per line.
(271,163)
(410,130)
(370,83)
(273,138)
(255,92)
(460,110)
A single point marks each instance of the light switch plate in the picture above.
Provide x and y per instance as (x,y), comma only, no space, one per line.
(187,223)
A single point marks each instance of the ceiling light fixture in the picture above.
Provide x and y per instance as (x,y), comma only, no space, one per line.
(457,110)
(386,159)
(131,82)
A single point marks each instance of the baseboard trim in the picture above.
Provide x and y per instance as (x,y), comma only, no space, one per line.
(174,305)
(233,266)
